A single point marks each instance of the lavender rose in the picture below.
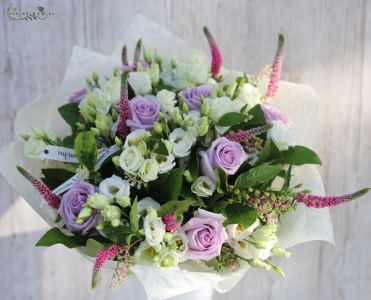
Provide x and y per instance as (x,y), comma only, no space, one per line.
(206,235)
(192,96)
(71,206)
(144,112)
(223,154)
(273,114)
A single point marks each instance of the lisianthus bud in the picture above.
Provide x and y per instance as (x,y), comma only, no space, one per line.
(116,160)
(147,54)
(257,263)
(169,260)
(157,57)
(85,213)
(175,115)
(95,130)
(205,108)
(151,211)
(118,141)
(157,127)
(202,126)
(154,73)
(185,108)
(103,123)
(123,201)
(98,201)
(167,237)
(280,252)
(231,89)
(187,175)
(110,213)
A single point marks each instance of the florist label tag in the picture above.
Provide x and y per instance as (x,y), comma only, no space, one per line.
(59,153)
(66,185)
(104,154)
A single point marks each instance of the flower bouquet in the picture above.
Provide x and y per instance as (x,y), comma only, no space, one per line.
(172,168)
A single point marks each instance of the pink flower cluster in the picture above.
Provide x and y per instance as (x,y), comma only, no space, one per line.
(328,201)
(51,198)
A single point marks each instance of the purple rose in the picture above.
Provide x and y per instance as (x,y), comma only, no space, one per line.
(273,114)
(223,154)
(71,206)
(144,112)
(206,235)
(192,96)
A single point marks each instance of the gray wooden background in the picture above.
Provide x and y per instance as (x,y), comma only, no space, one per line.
(328,47)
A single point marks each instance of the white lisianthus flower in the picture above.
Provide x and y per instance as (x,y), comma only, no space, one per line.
(191,120)
(181,141)
(112,90)
(281,134)
(114,187)
(248,96)
(219,107)
(135,137)
(140,82)
(33,148)
(191,71)
(267,238)
(131,159)
(203,186)
(149,170)
(180,240)
(165,162)
(237,232)
(154,229)
(146,203)
(166,99)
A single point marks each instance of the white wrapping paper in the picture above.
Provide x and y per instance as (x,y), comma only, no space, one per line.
(297,101)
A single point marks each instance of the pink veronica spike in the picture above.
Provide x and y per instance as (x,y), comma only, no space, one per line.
(216,55)
(124,109)
(101,259)
(242,136)
(275,75)
(51,198)
(328,201)
(170,222)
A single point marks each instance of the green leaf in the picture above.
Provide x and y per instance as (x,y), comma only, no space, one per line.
(240,214)
(258,117)
(92,247)
(256,175)
(194,164)
(231,119)
(120,234)
(171,187)
(55,236)
(300,155)
(134,220)
(269,152)
(70,113)
(55,177)
(222,180)
(86,149)
(175,206)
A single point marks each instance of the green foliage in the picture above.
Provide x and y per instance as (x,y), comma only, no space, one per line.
(55,236)
(176,207)
(270,152)
(86,149)
(231,119)
(256,175)
(194,164)
(92,247)
(240,214)
(120,234)
(170,188)
(222,181)
(300,155)
(55,177)
(134,219)
(70,113)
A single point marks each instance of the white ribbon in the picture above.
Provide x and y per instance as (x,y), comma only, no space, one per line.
(59,153)
(103,154)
